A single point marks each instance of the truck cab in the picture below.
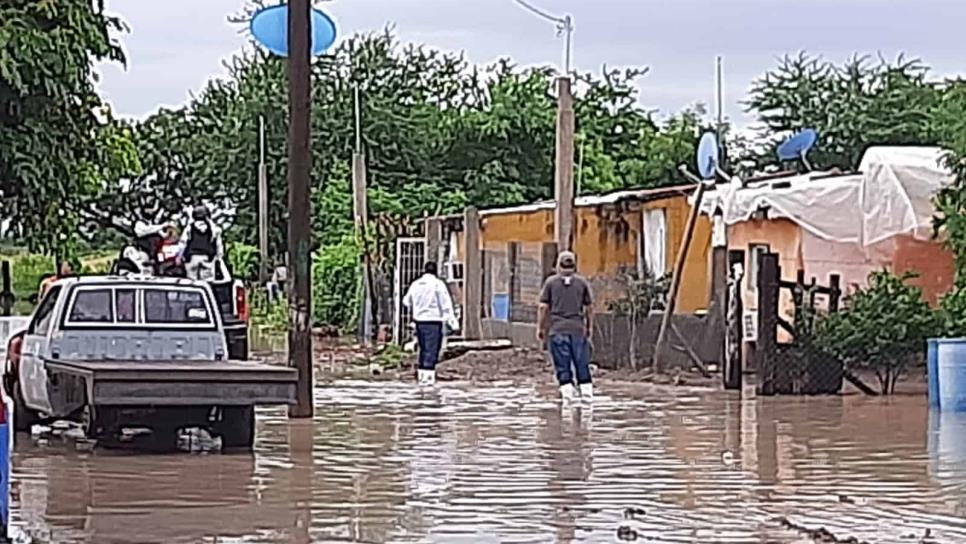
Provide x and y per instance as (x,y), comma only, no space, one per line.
(118,351)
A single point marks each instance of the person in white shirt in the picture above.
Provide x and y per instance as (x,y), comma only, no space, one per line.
(429,301)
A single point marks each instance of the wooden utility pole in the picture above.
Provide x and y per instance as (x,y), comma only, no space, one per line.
(264,272)
(564,168)
(299,220)
(676,275)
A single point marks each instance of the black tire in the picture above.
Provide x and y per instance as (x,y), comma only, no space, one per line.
(23,417)
(237,427)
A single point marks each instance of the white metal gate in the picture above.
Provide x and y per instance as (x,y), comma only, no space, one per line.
(410,258)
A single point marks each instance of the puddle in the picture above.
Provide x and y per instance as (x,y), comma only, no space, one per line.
(500,462)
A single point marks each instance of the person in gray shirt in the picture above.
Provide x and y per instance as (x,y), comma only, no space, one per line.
(565,322)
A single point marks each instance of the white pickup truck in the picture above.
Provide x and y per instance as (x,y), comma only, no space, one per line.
(117,352)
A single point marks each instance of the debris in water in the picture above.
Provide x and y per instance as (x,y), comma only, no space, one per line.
(38,431)
(631,513)
(85,445)
(198,440)
(627,534)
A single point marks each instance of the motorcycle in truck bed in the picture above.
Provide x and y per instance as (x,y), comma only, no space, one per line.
(121,352)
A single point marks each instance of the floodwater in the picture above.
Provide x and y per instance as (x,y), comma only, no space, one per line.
(385,462)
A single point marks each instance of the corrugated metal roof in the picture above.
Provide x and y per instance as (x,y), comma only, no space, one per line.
(634,195)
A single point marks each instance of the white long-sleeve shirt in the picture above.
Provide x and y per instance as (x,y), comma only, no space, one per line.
(428,299)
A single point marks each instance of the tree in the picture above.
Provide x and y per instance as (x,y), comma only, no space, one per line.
(58,142)
(851,106)
(882,327)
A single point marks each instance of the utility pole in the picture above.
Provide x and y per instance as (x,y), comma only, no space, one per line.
(264,273)
(563,186)
(361,213)
(564,167)
(299,226)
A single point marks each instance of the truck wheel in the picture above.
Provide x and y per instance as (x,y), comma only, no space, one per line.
(23,417)
(237,427)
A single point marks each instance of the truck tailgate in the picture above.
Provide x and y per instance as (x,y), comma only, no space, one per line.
(180,383)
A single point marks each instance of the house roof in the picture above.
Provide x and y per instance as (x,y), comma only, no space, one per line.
(587,201)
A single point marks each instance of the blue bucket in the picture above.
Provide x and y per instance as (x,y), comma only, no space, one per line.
(951,374)
(932,371)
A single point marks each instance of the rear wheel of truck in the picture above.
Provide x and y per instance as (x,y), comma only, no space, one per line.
(23,417)
(237,427)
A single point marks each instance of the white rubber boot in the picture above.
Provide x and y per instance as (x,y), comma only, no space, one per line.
(567,393)
(587,392)
(426,377)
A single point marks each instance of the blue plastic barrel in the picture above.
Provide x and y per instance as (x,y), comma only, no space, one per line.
(932,371)
(951,374)
(6,450)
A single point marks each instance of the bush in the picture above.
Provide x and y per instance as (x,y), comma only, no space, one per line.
(882,327)
(270,316)
(243,260)
(27,271)
(336,295)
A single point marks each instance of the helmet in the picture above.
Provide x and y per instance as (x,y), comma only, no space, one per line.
(200,213)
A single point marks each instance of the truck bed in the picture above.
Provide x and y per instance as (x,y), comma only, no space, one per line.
(180,383)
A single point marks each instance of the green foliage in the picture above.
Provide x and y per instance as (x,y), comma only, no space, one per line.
(243,260)
(271,317)
(882,327)
(59,146)
(27,271)
(335,285)
(851,106)
(640,295)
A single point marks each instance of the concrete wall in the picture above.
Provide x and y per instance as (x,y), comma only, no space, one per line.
(612,337)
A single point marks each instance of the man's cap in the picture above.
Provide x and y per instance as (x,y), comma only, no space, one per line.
(567,260)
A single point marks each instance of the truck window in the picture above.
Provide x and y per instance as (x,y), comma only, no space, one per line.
(170,306)
(92,306)
(126,308)
(44,315)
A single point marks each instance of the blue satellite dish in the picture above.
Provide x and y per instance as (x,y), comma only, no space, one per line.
(269,27)
(798,145)
(707,155)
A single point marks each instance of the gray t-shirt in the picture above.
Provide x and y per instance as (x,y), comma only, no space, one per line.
(567,300)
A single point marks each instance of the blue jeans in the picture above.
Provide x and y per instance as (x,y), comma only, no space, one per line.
(570,354)
(429,335)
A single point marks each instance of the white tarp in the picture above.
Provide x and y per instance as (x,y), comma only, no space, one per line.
(891,195)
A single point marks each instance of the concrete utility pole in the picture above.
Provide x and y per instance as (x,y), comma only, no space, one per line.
(361,213)
(564,167)
(299,226)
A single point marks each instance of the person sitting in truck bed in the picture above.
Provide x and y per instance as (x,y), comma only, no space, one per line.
(203,246)
(64,269)
(142,255)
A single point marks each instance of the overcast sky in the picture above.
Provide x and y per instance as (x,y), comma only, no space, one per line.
(175,46)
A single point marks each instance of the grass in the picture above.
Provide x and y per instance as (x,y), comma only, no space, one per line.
(27,270)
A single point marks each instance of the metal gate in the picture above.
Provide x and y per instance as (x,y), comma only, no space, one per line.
(410,258)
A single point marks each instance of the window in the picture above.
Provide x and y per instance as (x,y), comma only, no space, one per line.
(755,252)
(654,242)
(92,306)
(45,312)
(126,307)
(176,307)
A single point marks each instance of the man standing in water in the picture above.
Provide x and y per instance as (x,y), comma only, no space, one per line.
(429,301)
(565,322)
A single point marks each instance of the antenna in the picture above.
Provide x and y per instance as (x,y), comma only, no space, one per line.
(269,27)
(796,147)
(565,26)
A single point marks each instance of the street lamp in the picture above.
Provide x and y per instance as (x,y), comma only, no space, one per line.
(565,26)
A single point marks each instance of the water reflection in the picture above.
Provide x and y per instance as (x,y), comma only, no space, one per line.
(386,462)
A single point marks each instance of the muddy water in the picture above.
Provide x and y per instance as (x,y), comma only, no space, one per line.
(501,463)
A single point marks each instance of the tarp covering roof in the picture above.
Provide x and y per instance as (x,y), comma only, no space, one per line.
(892,194)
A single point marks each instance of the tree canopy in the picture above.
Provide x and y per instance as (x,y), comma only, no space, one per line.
(58,145)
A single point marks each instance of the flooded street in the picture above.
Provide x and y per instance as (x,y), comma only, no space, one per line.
(386,462)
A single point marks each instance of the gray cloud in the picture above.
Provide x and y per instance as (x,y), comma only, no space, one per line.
(177,45)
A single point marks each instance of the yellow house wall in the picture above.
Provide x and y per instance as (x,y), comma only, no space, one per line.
(606,239)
